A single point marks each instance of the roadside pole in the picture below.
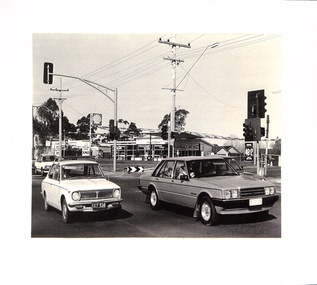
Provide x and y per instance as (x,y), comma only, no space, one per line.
(267,142)
(60,101)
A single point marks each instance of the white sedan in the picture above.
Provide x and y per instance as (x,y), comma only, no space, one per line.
(43,163)
(79,186)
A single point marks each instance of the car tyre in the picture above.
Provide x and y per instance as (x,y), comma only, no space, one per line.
(155,202)
(47,207)
(66,214)
(207,212)
(42,172)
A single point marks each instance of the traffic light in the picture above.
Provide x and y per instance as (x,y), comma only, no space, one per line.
(114,132)
(247,130)
(262,104)
(48,73)
(252,104)
(256,104)
(164,132)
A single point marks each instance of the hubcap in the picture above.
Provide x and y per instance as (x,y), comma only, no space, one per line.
(153,198)
(205,211)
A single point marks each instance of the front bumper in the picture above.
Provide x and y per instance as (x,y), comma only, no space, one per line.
(241,206)
(86,206)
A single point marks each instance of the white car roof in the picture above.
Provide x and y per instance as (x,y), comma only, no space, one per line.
(80,161)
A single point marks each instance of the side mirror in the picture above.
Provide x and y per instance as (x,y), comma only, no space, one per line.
(184,177)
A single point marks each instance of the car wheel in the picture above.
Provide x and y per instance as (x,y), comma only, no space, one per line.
(154,200)
(47,207)
(207,211)
(42,172)
(66,214)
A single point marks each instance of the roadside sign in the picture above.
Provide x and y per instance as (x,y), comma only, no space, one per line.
(249,152)
(86,151)
(97,119)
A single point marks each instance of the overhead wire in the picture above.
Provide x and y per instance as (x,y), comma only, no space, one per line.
(149,66)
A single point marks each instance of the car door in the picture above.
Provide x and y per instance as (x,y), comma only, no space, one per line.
(181,186)
(163,181)
(53,187)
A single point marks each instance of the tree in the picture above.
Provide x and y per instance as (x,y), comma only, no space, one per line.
(180,119)
(83,126)
(45,125)
(277,146)
(132,130)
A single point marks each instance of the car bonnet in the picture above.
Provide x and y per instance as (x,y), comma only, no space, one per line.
(231,182)
(88,184)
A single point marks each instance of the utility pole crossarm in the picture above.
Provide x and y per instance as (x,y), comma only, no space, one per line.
(173,44)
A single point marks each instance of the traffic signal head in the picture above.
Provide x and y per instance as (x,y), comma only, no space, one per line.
(247,131)
(114,132)
(48,73)
(164,132)
(262,105)
(256,104)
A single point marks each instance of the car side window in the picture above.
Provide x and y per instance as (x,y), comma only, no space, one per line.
(179,170)
(51,172)
(194,168)
(54,172)
(167,170)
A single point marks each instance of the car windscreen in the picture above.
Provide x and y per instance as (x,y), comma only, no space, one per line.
(209,168)
(81,170)
(49,158)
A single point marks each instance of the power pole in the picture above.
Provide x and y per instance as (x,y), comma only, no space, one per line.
(60,100)
(266,147)
(174,62)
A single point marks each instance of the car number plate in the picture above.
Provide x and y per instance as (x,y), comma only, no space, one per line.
(255,201)
(98,205)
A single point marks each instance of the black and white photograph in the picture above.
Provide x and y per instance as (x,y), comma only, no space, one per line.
(109,99)
(164,137)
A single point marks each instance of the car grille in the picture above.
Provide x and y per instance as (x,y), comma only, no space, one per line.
(95,194)
(252,192)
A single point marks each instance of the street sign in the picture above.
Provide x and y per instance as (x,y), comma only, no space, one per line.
(97,119)
(249,152)
(86,151)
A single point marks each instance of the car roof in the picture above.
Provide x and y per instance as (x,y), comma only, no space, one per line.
(71,162)
(191,158)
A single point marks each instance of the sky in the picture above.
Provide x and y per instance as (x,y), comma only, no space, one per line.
(212,82)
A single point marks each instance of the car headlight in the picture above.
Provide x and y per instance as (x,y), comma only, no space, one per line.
(234,193)
(231,194)
(269,190)
(76,196)
(116,193)
(227,194)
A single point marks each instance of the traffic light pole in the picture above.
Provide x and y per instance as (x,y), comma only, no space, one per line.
(115,101)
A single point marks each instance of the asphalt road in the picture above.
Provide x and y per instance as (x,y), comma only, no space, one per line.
(137,219)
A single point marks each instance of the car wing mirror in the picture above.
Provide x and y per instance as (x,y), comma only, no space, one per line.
(184,177)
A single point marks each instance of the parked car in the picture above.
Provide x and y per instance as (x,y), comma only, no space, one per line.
(43,163)
(79,186)
(208,185)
